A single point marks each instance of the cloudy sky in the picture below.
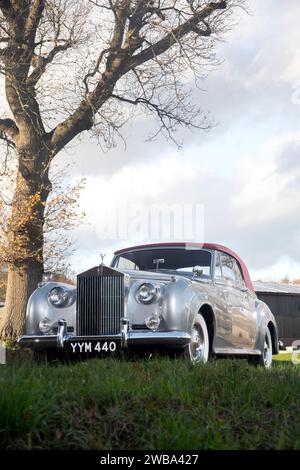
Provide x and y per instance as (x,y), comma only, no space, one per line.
(242,175)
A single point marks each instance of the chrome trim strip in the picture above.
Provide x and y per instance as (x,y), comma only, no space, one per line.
(237,351)
(124,332)
(169,338)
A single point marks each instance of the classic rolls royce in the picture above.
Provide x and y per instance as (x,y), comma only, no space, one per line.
(189,299)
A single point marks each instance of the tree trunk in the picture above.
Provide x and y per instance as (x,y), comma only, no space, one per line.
(21,282)
(25,235)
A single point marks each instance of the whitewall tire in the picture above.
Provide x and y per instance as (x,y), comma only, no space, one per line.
(197,351)
(265,358)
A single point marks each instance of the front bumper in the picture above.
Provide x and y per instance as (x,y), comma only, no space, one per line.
(127,338)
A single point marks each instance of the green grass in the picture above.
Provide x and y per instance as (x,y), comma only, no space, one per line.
(283,357)
(149,404)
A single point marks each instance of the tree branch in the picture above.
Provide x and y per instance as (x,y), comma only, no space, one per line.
(119,62)
(9,127)
(7,9)
(167,114)
(8,132)
(10,143)
(190,25)
(32,21)
(40,63)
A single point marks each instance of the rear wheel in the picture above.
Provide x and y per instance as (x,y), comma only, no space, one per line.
(265,358)
(197,351)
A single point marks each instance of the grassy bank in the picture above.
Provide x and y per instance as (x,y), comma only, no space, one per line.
(284,357)
(151,404)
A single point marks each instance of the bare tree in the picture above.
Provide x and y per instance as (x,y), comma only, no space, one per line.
(73,66)
(62,216)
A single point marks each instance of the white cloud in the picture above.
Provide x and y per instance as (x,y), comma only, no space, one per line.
(283,267)
(134,183)
(265,193)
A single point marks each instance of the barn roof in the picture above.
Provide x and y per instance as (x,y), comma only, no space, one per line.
(276,288)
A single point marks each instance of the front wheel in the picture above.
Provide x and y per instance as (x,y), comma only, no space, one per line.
(197,351)
(265,358)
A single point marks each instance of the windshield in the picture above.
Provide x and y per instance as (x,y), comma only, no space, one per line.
(162,259)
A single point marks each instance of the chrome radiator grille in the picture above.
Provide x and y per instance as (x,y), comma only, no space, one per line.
(100,302)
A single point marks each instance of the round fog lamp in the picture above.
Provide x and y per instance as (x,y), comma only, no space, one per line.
(152,322)
(45,325)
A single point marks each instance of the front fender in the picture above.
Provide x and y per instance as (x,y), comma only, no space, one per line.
(264,318)
(39,307)
(178,304)
(183,302)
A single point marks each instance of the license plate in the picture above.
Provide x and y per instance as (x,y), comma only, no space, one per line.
(98,347)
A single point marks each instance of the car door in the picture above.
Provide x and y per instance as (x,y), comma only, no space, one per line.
(233,299)
(223,306)
(246,320)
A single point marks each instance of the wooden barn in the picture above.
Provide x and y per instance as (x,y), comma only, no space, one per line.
(284,302)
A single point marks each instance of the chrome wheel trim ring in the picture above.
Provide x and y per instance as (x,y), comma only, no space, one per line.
(197,344)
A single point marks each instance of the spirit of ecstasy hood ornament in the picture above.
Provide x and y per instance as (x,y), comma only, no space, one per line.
(102,256)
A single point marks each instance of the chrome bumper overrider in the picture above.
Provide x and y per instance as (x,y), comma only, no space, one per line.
(127,338)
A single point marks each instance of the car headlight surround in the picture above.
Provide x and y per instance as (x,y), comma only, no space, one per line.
(45,325)
(147,293)
(58,296)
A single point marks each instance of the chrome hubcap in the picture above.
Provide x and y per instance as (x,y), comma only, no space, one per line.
(197,345)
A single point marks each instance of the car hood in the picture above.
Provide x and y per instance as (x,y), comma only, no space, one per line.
(163,277)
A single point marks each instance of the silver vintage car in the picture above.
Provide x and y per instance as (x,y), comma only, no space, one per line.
(189,299)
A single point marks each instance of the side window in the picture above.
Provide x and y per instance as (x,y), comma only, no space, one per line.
(228,268)
(239,275)
(218,269)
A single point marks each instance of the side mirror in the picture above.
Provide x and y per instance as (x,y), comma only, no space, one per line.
(158,261)
(197,271)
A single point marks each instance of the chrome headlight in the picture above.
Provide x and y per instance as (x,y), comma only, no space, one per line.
(58,296)
(45,325)
(146,293)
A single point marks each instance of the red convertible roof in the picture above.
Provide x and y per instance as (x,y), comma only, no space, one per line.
(208,246)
